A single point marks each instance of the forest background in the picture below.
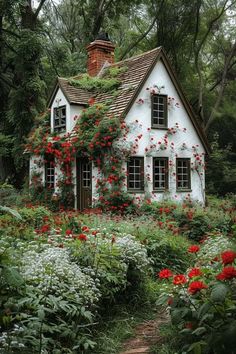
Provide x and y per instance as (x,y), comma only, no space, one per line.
(40,40)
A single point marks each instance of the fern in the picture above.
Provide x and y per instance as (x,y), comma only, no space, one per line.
(10,211)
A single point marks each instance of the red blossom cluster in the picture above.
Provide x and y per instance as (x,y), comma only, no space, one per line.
(193,249)
(227,273)
(228,257)
(194,272)
(196,286)
(181,279)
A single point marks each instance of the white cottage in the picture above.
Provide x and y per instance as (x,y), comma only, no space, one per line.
(168,144)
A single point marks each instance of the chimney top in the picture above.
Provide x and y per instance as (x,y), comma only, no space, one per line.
(100,51)
(103,36)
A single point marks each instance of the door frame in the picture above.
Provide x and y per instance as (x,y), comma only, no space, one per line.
(80,190)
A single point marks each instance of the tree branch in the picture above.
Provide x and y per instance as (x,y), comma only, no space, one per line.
(131,46)
(39,8)
(10,32)
(222,86)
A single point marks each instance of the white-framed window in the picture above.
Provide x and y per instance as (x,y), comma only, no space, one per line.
(159,111)
(183,174)
(160,174)
(135,174)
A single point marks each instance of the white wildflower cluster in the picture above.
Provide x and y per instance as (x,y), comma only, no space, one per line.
(132,251)
(11,339)
(213,246)
(52,271)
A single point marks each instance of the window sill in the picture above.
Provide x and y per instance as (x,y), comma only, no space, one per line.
(135,191)
(160,128)
(59,130)
(160,190)
(183,190)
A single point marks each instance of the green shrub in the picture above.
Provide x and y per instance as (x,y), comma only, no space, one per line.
(35,216)
(168,251)
(11,197)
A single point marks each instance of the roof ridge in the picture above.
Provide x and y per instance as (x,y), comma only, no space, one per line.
(114,64)
(137,56)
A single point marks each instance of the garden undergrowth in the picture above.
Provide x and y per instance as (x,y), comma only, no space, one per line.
(46,256)
(119,323)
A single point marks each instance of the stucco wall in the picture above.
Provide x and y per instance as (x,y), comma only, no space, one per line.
(139,117)
(72,114)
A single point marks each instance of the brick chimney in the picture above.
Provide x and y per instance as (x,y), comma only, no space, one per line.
(99,52)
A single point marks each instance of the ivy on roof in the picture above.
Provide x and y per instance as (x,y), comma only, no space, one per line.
(95,84)
(108,83)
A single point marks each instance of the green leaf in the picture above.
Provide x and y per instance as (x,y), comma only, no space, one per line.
(162,299)
(196,347)
(11,211)
(199,331)
(178,314)
(219,293)
(41,314)
(12,276)
(204,309)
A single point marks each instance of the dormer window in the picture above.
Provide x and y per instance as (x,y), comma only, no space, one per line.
(159,111)
(59,119)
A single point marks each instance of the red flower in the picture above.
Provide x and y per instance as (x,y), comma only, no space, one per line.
(188,325)
(165,274)
(227,273)
(196,286)
(193,249)
(45,228)
(68,232)
(179,279)
(85,228)
(94,233)
(195,272)
(82,237)
(91,101)
(228,257)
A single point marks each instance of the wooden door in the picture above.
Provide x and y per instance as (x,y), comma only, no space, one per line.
(84,183)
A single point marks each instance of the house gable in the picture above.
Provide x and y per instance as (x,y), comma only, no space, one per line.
(179,142)
(59,99)
(161,57)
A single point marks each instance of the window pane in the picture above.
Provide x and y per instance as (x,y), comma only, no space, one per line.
(159,111)
(49,173)
(135,173)
(59,118)
(160,173)
(183,173)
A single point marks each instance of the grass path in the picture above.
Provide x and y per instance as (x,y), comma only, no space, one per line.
(146,335)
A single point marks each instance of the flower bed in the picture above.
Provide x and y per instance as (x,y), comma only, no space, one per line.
(54,285)
(202,301)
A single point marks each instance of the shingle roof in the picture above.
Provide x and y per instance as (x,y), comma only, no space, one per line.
(131,79)
(74,95)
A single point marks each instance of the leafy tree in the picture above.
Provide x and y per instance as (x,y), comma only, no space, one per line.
(221,171)
(20,81)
